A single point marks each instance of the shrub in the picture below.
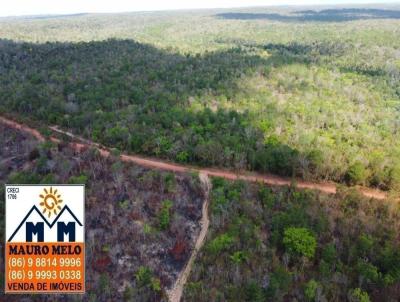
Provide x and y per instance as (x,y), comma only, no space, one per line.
(368,271)
(365,244)
(48,179)
(169,182)
(156,284)
(254,292)
(143,276)
(218,182)
(310,289)
(164,215)
(238,257)
(220,201)
(316,160)
(277,158)
(280,282)
(128,293)
(329,253)
(267,197)
(356,174)
(221,243)
(81,179)
(395,177)
(23,178)
(182,157)
(357,295)
(389,262)
(299,241)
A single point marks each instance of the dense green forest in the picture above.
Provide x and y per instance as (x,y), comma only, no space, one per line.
(314,94)
(287,245)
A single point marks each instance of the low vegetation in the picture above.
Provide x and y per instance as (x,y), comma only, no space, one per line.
(158,211)
(282,245)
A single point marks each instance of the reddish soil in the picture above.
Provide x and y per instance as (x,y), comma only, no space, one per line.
(326,187)
(175,294)
(21,127)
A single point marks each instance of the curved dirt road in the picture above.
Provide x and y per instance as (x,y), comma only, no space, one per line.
(175,293)
(274,180)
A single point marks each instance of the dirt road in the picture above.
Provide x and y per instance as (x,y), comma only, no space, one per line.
(274,180)
(175,293)
(23,128)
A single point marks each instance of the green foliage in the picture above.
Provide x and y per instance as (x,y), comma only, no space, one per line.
(128,293)
(48,179)
(265,235)
(23,178)
(319,101)
(267,197)
(238,257)
(389,259)
(395,177)
(309,103)
(144,276)
(365,244)
(368,272)
(253,292)
(220,243)
(356,174)
(280,282)
(117,136)
(164,215)
(357,295)
(81,179)
(218,182)
(300,241)
(106,248)
(293,216)
(182,157)
(124,204)
(329,254)
(316,160)
(170,182)
(220,200)
(147,229)
(310,289)
(156,284)
(277,158)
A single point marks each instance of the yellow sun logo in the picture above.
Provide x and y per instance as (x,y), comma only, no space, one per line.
(50,201)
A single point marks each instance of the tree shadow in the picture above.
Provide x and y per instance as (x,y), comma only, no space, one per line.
(119,68)
(138,98)
(327,15)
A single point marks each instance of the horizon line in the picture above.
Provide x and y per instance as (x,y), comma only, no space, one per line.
(71,14)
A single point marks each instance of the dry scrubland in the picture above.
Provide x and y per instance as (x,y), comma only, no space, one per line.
(140,224)
(310,92)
